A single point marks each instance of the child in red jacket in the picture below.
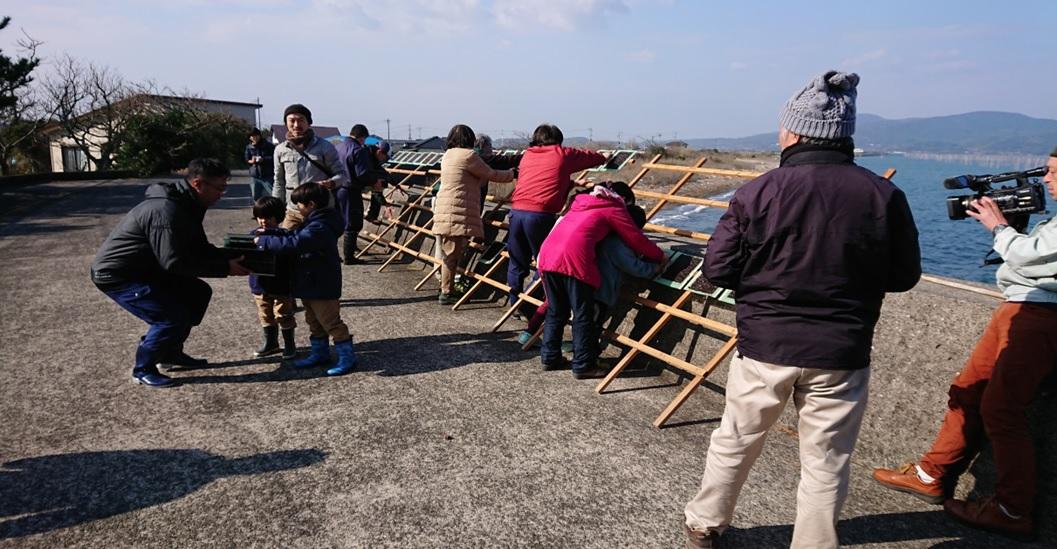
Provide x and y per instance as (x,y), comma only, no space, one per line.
(570,273)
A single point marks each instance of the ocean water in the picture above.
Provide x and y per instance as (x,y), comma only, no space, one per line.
(948,248)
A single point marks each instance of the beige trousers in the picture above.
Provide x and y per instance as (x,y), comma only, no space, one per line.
(451,250)
(829,405)
(323,317)
(276,309)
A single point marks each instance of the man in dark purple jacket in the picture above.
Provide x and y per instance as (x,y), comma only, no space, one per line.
(810,249)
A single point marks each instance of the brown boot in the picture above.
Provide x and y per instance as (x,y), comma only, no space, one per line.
(985,514)
(701,540)
(905,479)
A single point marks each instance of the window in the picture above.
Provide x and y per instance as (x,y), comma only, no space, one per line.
(74,160)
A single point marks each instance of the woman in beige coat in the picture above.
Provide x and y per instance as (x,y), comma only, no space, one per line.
(457,209)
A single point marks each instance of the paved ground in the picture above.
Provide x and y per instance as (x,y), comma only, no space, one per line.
(449,436)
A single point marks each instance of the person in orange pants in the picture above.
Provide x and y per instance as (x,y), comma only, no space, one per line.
(991,394)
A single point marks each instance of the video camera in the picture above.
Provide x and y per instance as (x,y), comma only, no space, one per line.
(1027,197)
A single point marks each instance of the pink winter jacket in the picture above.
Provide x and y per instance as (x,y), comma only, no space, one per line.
(570,247)
(543,176)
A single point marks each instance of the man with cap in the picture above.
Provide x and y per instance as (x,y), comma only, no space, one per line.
(378,153)
(995,387)
(302,158)
(809,248)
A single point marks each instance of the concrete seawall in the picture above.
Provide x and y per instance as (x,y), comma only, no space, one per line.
(449,436)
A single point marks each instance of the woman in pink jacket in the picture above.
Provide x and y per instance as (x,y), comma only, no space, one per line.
(542,187)
(570,273)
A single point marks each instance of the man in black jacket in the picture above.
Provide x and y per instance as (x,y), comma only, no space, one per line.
(810,249)
(150,264)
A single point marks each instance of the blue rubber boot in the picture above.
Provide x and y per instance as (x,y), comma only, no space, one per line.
(320,353)
(346,359)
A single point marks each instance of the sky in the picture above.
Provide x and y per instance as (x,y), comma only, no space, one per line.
(610,69)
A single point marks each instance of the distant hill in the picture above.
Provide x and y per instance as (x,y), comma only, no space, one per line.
(983,132)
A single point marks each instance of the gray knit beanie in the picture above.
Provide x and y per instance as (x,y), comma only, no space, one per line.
(825,108)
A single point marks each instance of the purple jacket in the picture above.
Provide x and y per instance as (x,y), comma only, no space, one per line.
(810,249)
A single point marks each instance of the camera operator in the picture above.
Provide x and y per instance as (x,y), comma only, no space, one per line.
(991,394)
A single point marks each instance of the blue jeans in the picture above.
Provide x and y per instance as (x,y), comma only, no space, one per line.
(170,307)
(259,188)
(566,294)
(526,234)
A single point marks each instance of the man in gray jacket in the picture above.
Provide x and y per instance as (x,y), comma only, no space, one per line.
(991,394)
(302,158)
(151,263)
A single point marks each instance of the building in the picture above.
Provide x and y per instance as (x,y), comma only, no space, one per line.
(66,156)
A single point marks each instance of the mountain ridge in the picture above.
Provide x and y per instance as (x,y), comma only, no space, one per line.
(977,132)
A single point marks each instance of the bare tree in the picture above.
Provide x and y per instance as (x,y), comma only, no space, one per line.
(20,111)
(91,103)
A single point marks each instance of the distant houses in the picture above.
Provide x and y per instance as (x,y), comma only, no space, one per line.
(67,156)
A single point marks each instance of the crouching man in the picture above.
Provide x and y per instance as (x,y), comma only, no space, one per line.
(991,394)
(151,263)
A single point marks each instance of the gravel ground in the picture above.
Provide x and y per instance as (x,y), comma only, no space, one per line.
(448,436)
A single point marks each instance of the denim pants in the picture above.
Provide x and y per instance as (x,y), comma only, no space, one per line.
(566,294)
(350,204)
(526,234)
(259,188)
(170,307)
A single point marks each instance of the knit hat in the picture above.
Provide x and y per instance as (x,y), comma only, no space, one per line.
(297,108)
(825,108)
(1054,153)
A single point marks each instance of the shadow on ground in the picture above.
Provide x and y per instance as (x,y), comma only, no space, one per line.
(882,528)
(46,493)
(418,355)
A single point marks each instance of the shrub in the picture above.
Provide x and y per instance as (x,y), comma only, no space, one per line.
(163,141)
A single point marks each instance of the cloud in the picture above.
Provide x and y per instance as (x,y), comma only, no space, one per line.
(865,58)
(641,56)
(561,15)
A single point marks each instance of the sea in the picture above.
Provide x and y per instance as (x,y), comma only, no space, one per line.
(953,249)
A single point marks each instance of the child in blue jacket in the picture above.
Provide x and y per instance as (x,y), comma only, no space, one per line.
(317,276)
(273,294)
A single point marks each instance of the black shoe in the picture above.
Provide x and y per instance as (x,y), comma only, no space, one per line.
(561,364)
(353,260)
(271,342)
(181,359)
(448,299)
(153,379)
(590,372)
(289,345)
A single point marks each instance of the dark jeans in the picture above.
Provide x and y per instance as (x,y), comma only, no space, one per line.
(566,294)
(170,307)
(377,201)
(524,238)
(260,188)
(350,204)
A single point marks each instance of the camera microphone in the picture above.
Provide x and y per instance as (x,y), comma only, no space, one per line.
(960,182)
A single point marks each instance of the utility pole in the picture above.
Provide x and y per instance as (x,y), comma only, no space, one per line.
(409,132)
(387,129)
(591,135)
(620,134)
(420,132)
(257,112)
